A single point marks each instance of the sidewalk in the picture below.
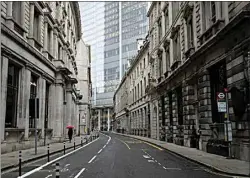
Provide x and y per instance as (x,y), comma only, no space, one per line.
(10,160)
(217,163)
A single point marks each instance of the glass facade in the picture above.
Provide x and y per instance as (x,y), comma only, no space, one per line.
(112,30)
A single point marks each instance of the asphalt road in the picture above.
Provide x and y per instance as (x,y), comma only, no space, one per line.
(116,156)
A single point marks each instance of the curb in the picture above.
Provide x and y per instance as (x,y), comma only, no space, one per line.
(213,169)
(3,169)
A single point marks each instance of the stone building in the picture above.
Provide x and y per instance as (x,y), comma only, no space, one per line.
(83,62)
(38,51)
(197,50)
(131,100)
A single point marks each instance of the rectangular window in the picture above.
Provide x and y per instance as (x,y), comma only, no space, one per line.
(166,21)
(36,25)
(141,88)
(160,31)
(33,94)
(190,32)
(12,95)
(46,106)
(177,49)
(179,105)
(144,63)
(175,9)
(16,11)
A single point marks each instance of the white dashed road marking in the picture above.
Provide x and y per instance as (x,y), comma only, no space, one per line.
(100,151)
(146,156)
(79,173)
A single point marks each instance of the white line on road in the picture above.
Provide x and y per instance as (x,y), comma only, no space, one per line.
(92,159)
(79,173)
(146,156)
(164,167)
(49,176)
(150,161)
(100,151)
(173,168)
(104,146)
(57,159)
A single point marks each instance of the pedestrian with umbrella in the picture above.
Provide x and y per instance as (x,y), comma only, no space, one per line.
(70,132)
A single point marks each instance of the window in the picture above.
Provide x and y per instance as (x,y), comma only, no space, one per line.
(46,105)
(16,11)
(145,85)
(12,93)
(160,66)
(166,21)
(141,88)
(33,94)
(167,59)
(160,30)
(144,63)
(170,108)
(190,32)
(176,48)
(36,25)
(59,51)
(175,9)
(179,105)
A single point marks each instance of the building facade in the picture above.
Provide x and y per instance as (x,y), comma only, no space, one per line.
(119,26)
(196,51)
(132,110)
(38,48)
(83,63)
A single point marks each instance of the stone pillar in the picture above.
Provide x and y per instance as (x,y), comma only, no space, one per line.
(99,119)
(58,129)
(52,104)
(163,23)
(23,101)
(41,96)
(108,119)
(31,20)
(4,77)
(51,47)
(45,39)
(55,44)
(164,62)
(69,106)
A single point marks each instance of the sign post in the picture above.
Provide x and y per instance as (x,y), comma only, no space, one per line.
(222,103)
(34,113)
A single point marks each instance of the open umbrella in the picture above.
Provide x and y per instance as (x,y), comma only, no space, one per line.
(70,127)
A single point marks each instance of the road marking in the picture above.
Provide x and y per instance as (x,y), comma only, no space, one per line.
(100,151)
(92,159)
(124,143)
(154,146)
(150,161)
(67,165)
(57,159)
(159,164)
(172,168)
(104,146)
(146,156)
(49,176)
(79,173)
(164,167)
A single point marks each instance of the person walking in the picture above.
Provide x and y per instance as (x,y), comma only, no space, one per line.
(70,134)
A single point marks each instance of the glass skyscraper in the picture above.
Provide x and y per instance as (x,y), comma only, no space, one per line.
(112,30)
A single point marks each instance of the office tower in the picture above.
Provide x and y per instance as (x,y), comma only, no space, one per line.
(112,30)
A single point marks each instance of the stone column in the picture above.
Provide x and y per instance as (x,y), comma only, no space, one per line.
(31,20)
(52,104)
(9,17)
(163,23)
(51,47)
(41,96)
(99,119)
(45,38)
(108,119)
(55,44)
(58,129)
(164,62)
(4,77)
(23,101)
(69,106)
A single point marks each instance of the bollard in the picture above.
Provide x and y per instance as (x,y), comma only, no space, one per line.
(74,144)
(86,140)
(57,170)
(81,141)
(48,152)
(20,163)
(64,148)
